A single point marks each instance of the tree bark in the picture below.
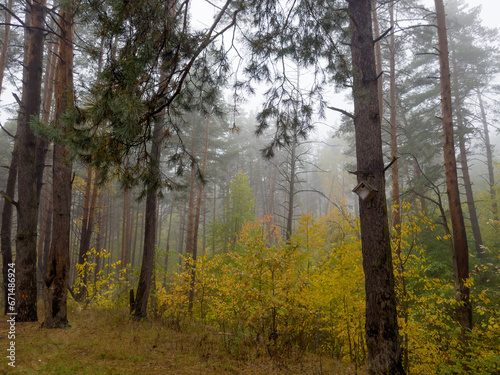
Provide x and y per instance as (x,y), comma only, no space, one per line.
(57,274)
(151,218)
(5,43)
(460,256)
(378,60)
(6,230)
(27,207)
(381,330)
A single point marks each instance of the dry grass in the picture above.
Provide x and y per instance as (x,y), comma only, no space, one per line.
(108,342)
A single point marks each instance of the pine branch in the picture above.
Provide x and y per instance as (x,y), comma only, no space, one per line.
(345,113)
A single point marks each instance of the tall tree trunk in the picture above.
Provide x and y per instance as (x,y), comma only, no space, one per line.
(151,217)
(476,231)
(27,207)
(461,252)
(56,277)
(382,336)
(396,210)
(5,42)
(378,60)
(6,230)
(197,219)
(489,158)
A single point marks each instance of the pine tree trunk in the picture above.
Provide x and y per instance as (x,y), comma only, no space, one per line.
(396,210)
(56,277)
(5,42)
(489,158)
(197,220)
(476,231)
(150,227)
(461,252)
(6,230)
(378,60)
(125,255)
(27,207)
(382,336)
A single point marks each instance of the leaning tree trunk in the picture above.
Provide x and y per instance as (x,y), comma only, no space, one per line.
(27,207)
(382,336)
(58,265)
(460,254)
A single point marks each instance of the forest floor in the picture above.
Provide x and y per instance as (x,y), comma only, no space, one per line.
(107,342)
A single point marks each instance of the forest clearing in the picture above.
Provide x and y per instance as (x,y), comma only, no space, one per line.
(250,187)
(107,342)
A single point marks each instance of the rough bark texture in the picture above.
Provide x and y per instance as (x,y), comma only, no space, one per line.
(378,60)
(27,208)
(6,230)
(56,277)
(151,221)
(382,337)
(461,251)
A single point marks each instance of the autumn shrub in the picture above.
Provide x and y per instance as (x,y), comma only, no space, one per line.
(427,308)
(106,287)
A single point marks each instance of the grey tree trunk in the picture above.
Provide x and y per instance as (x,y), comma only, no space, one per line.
(57,274)
(382,336)
(27,207)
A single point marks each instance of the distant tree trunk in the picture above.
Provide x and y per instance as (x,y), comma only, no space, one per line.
(98,242)
(5,42)
(151,215)
(382,336)
(489,158)
(167,247)
(27,207)
(460,256)
(197,220)
(136,230)
(182,231)
(125,255)
(88,220)
(476,231)
(56,277)
(396,210)
(291,187)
